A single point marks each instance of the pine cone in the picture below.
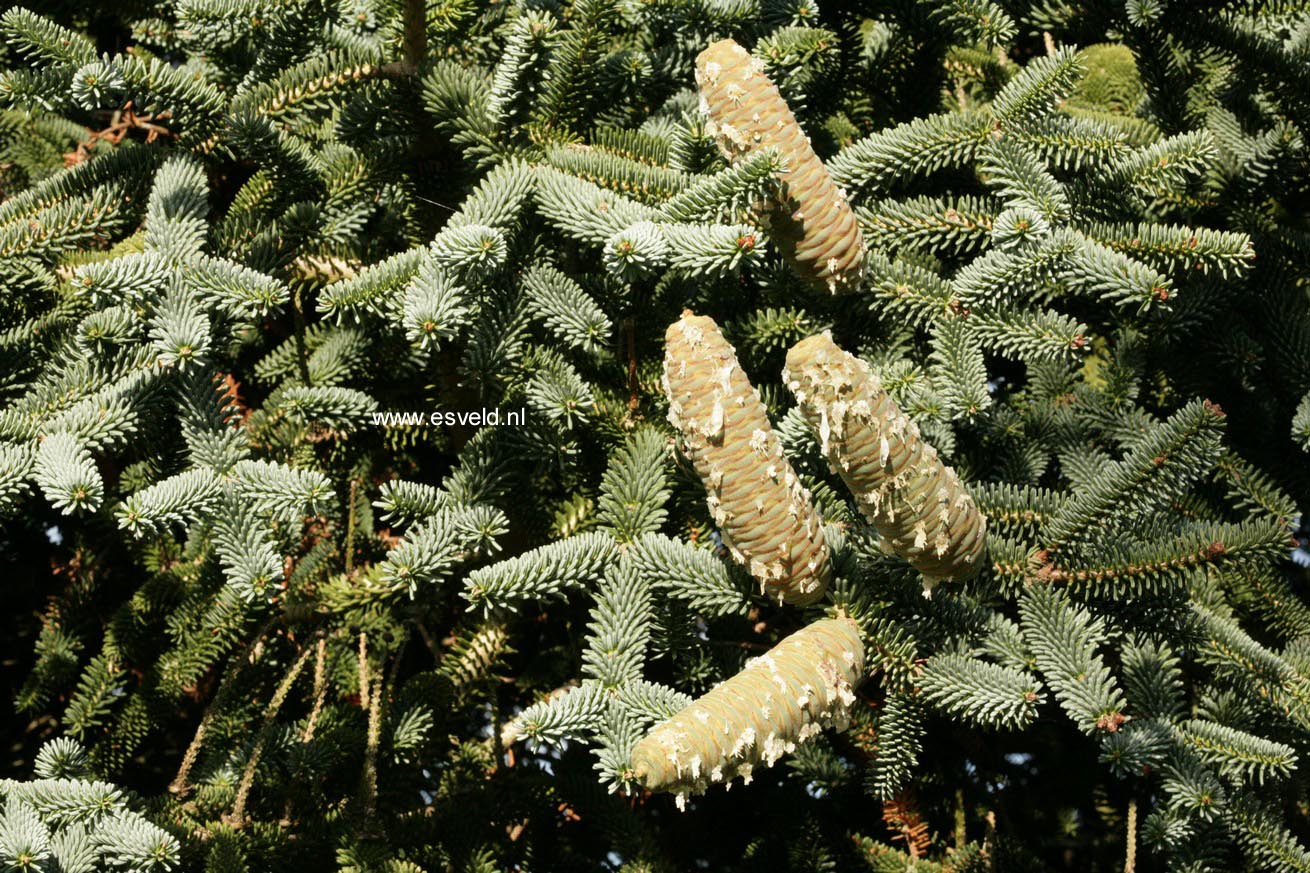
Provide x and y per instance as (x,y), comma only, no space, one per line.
(811,223)
(917,503)
(756,499)
(802,685)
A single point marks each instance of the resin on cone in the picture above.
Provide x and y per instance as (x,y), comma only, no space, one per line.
(812,222)
(918,504)
(782,698)
(757,501)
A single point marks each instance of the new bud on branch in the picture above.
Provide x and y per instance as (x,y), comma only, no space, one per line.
(757,501)
(782,698)
(918,504)
(812,224)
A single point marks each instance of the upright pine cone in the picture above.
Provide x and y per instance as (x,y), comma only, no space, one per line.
(812,223)
(802,685)
(917,503)
(757,501)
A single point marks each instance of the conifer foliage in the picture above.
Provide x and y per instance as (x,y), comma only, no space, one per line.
(449,435)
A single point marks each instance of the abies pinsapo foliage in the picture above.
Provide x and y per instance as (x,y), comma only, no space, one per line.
(1005,299)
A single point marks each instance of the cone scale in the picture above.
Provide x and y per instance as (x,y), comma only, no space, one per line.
(783,698)
(812,223)
(918,504)
(757,501)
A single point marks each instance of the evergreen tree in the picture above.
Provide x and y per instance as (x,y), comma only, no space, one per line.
(789,313)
